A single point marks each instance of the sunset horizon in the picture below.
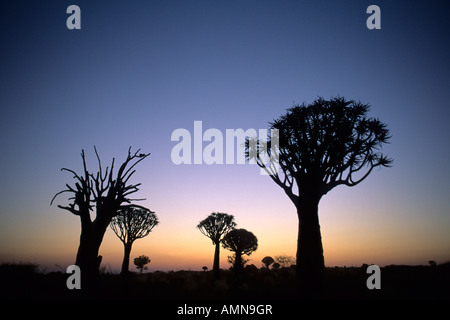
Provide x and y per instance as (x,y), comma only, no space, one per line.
(187,82)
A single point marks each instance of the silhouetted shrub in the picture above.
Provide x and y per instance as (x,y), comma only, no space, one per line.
(22,268)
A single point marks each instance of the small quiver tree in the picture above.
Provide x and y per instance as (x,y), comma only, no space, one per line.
(240,242)
(215,227)
(267,261)
(131,223)
(140,262)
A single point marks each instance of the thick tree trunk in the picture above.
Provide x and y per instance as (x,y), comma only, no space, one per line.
(216,260)
(238,265)
(310,260)
(88,258)
(126,258)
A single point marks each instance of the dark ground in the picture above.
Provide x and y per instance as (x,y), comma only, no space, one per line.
(23,281)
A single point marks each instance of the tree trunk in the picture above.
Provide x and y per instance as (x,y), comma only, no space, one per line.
(310,260)
(216,260)
(238,265)
(126,258)
(88,258)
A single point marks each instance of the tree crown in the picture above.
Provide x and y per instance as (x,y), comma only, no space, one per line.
(324,144)
(240,241)
(216,225)
(133,222)
(267,261)
(141,261)
(102,189)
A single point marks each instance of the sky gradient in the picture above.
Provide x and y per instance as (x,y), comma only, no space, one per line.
(138,70)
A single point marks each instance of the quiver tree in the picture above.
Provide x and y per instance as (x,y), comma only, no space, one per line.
(215,226)
(103,193)
(240,241)
(320,146)
(131,223)
(141,262)
(267,261)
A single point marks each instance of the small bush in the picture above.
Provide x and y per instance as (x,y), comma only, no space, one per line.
(21,268)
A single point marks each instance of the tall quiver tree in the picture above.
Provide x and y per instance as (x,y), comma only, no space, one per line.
(132,223)
(322,145)
(104,193)
(215,226)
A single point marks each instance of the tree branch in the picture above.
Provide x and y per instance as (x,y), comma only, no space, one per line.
(287,183)
(70,208)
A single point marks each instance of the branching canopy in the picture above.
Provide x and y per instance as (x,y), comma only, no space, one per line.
(141,261)
(267,261)
(103,190)
(216,225)
(133,222)
(323,145)
(240,241)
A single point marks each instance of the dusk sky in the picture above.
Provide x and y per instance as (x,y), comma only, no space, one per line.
(138,70)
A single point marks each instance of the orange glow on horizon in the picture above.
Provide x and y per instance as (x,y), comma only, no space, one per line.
(355,230)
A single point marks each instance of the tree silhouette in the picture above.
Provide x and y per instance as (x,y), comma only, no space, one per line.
(132,223)
(321,146)
(240,241)
(276,266)
(267,261)
(105,193)
(215,226)
(140,262)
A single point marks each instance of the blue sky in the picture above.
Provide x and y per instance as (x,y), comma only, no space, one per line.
(138,70)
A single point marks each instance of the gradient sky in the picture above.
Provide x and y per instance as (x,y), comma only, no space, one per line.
(137,70)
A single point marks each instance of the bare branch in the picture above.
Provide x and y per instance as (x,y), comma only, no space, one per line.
(51,202)
(349,181)
(70,208)
(141,157)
